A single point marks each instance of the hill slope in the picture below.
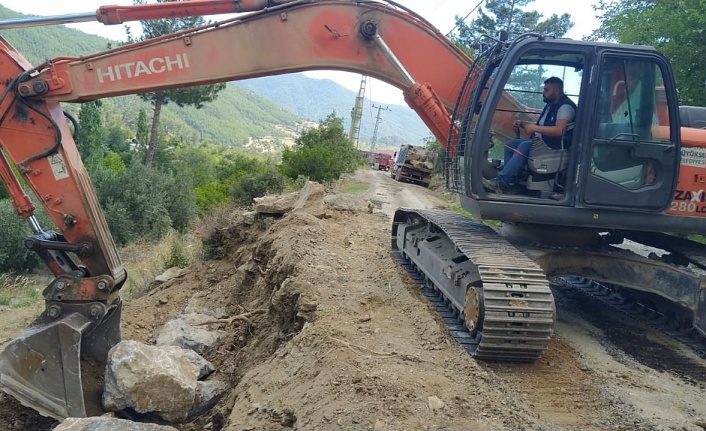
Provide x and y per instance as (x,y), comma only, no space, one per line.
(235,116)
(314,99)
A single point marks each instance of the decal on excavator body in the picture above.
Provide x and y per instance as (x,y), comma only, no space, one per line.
(134,69)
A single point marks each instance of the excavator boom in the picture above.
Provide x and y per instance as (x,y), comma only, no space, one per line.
(114,14)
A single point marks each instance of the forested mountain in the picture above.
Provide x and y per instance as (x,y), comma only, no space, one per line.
(246,109)
(316,98)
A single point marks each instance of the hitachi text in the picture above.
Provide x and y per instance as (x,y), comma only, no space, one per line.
(139,68)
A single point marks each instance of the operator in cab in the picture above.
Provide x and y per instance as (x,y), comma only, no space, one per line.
(558,111)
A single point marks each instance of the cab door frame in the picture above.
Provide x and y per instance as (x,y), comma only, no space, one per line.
(501,72)
(611,155)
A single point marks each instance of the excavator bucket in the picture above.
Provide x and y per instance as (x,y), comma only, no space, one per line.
(42,367)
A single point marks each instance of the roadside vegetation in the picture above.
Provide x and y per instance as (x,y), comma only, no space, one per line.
(152,208)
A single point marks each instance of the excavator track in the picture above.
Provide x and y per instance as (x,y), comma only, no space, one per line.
(494,300)
(646,312)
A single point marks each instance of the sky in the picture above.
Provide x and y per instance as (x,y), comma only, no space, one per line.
(439,12)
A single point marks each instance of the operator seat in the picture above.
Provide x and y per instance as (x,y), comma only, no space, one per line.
(547,164)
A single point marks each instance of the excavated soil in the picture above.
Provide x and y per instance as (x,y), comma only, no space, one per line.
(345,341)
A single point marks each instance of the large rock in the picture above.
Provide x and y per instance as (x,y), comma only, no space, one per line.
(311,198)
(205,367)
(276,204)
(179,333)
(173,272)
(345,202)
(149,379)
(207,396)
(108,424)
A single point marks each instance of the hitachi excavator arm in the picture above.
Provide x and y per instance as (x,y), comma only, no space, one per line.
(81,321)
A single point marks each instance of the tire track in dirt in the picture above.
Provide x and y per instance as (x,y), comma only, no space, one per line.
(637,340)
(558,389)
(574,386)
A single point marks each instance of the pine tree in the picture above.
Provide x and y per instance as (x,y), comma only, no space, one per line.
(193,96)
(509,16)
(142,133)
(91,134)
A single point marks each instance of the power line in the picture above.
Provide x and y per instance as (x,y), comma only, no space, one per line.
(357,113)
(465,17)
(404,129)
(375,131)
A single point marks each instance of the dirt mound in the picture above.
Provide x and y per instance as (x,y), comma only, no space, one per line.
(346,340)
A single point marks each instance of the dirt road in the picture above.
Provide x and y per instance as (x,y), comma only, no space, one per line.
(349,343)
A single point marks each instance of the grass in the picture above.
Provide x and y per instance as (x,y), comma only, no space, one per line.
(143,261)
(146,260)
(352,188)
(20,291)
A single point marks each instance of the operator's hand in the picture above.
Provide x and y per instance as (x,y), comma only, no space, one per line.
(523,126)
(527,127)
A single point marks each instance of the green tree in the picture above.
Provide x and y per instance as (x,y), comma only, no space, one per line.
(321,154)
(14,256)
(674,27)
(432,144)
(267,179)
(143,201)
(118,139)
(91,134)
(114,163)
(193,96)
(508,15)
(142,134)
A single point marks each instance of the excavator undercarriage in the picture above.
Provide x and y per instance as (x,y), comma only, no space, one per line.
(500,296)
(492,288)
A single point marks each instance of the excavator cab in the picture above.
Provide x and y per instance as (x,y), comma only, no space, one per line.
(620,153)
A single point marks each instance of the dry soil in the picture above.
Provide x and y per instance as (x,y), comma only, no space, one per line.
(347,342)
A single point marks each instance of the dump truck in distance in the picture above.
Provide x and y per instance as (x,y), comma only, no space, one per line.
(414,164)
(383,162)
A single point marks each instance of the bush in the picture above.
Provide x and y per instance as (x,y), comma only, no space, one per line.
(212,244)
(179,200)
(269,180)
(114,163)
(144,202)
(177,255)
(297,184)
(212,196)
(14,256)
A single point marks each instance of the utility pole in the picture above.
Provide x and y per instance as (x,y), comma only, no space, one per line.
(357,113)
(375,132)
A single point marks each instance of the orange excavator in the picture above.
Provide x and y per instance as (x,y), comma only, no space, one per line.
(630,167)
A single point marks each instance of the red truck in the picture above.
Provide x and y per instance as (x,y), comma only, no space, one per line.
(382,162)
